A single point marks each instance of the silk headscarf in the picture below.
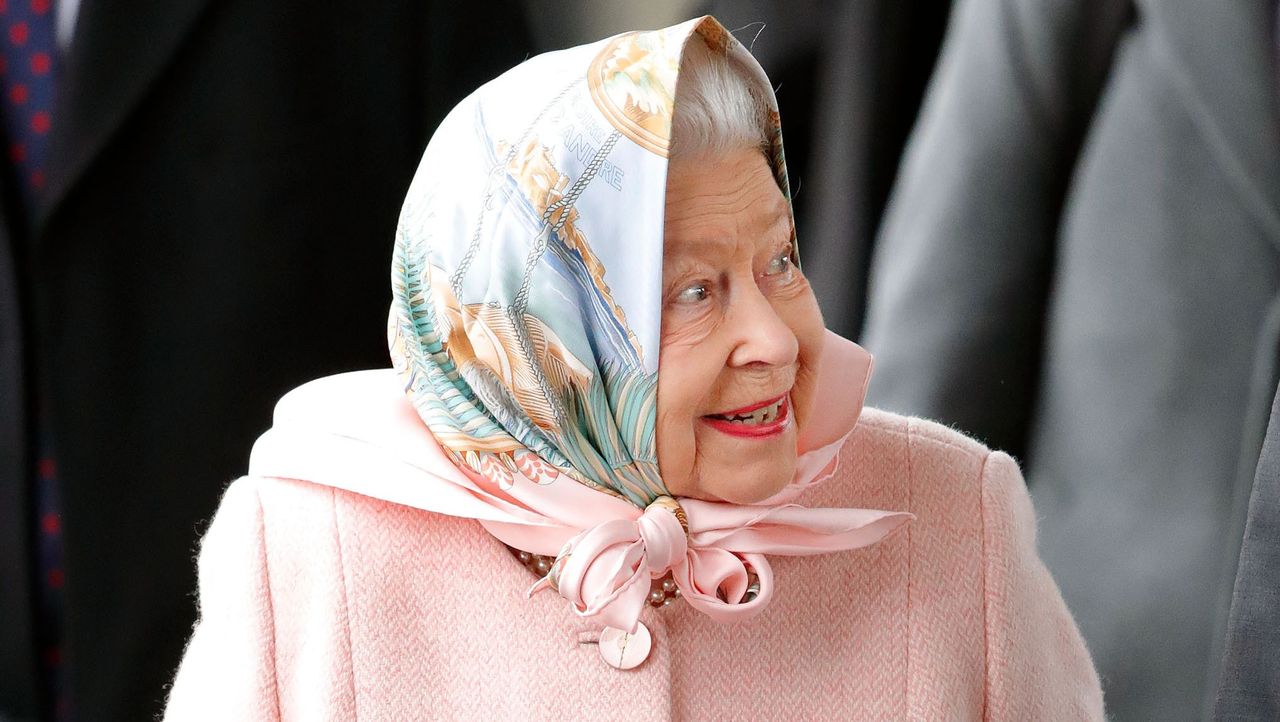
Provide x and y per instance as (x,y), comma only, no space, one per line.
(528,264)
(526,316)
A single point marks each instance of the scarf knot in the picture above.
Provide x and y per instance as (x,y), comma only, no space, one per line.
(664,535)
(605,570)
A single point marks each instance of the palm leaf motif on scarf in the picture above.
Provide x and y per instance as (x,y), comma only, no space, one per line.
(443,384)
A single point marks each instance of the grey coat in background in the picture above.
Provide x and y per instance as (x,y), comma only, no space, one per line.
(1250,684)
(1081,264)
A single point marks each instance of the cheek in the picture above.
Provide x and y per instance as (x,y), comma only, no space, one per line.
(687,371)
(802,316)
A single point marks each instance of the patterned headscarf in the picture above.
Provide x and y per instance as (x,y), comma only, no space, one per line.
(528,264)
(525,325)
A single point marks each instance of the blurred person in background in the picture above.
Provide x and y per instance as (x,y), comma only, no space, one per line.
(1249,687)
(189,188)
(1081,264)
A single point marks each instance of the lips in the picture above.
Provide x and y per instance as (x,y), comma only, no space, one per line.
(764,418)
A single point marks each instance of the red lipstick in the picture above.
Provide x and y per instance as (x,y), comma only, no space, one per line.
(746,429)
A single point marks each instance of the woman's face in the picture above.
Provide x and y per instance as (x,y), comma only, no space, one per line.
(741,333)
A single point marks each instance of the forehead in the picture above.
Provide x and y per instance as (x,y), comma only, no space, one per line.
(732,200)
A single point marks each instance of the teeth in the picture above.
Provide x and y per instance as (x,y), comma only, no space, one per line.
(766,415)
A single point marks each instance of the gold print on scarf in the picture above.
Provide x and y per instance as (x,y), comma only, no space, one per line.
(633,81)
(716,36)
(633,84)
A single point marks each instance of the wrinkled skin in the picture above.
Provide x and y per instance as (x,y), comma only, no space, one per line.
(740,324)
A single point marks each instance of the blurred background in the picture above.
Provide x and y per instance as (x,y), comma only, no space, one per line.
(1055,222)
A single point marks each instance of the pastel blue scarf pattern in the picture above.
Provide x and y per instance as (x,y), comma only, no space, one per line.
(528,264)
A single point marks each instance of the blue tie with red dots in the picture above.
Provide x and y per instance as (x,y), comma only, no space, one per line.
(28,68)
(28,71)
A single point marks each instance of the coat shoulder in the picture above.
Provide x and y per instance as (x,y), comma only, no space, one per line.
(877,424)
(289,511)
(961,495)
(905,463)
(274,493)
(375,544)
(893,455)
(295,512)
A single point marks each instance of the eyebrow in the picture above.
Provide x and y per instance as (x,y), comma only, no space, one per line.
(782,228)
(711,245)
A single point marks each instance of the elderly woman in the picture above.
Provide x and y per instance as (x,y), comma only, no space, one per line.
(615,472)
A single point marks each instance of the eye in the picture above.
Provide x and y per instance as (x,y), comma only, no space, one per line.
(693,294)
(780,266)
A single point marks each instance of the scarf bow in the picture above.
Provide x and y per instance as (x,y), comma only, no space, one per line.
(710,548)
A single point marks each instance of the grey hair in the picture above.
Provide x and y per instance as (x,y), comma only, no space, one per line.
(716,108)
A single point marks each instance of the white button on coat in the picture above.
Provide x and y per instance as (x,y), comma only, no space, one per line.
(625,651)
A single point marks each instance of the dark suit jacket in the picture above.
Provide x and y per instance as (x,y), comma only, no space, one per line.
(1081,264)
(223,189)
(1249,687)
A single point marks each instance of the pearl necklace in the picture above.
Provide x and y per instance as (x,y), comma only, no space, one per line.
(662,592)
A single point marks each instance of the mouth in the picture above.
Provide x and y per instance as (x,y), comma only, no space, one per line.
(770,417)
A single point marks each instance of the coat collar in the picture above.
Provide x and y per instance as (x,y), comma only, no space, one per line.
(114,59)
(1222,57)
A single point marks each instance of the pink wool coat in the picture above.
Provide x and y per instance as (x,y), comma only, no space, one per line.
(318,603)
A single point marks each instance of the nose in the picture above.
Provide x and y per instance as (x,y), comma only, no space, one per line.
(763,337)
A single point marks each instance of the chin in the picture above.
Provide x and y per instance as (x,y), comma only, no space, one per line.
(742,472)
(749,488)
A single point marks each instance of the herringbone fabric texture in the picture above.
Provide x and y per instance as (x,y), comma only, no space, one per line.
(319,604)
